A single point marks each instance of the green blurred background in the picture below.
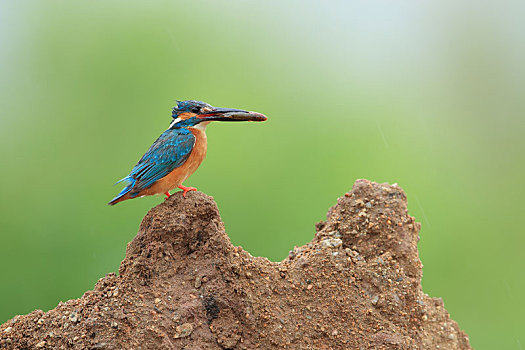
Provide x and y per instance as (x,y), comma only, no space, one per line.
(426,94)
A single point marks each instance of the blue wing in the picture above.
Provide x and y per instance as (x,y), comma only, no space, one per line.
(168,152)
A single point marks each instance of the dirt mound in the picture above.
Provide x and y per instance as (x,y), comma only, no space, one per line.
(183,285)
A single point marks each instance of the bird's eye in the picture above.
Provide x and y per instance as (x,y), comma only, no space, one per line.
(195,110)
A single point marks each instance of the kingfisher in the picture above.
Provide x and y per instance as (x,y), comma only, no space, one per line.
(179,151)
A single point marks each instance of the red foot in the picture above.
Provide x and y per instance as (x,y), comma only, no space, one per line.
(186,190)
(168,195)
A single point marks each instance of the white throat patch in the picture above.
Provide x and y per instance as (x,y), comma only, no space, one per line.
(201,126)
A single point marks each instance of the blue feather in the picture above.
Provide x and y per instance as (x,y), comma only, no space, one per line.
(125,190)
(167,153)
(127,178)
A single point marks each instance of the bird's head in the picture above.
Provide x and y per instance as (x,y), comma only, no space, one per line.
(192,113)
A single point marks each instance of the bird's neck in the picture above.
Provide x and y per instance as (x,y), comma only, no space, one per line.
(201,144)
(200,135)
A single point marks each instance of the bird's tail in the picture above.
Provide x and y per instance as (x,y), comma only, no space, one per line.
(125,193)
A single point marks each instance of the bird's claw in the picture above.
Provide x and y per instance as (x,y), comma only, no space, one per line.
(186,190)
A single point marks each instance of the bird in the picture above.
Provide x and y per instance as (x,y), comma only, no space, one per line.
(178,151)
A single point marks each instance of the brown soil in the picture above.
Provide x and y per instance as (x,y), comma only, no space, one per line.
(183,285)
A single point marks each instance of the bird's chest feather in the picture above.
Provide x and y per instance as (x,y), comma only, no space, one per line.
(198,153)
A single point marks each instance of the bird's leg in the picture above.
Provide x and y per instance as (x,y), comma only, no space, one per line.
(186,189)
(168,195)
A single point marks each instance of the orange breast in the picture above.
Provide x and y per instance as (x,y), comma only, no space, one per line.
(178,175)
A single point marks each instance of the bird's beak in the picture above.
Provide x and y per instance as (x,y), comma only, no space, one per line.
(232,115)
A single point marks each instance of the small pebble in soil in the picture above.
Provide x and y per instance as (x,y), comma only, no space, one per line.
(335,234)
(184,330)
(332,242)
(73,317)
